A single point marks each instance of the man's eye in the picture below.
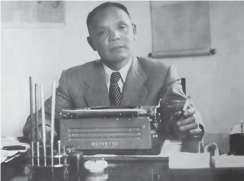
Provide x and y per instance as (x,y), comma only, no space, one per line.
(122,27)
(102,32)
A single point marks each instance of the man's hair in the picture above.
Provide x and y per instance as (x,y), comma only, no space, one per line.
(102,7)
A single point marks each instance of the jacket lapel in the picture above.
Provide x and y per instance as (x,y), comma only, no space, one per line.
(135,88)
(97,91)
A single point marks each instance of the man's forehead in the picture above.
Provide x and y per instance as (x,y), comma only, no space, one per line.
(108,15)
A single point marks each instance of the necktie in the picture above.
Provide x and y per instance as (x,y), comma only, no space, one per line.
(114,90)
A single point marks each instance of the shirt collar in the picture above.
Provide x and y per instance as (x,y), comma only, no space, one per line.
(123,71)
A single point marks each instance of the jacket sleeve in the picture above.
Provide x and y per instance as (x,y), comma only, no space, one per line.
(172,91)
(63,101)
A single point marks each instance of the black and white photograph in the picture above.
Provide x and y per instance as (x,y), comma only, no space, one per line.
(122,90)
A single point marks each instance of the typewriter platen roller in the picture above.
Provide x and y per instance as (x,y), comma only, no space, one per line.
(111,130)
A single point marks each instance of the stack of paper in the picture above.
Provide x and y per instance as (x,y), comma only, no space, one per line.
(10,148)
(12,143)
(7,155)
(186,160)
(228,161)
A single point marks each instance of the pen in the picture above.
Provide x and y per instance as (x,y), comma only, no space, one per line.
(14,147)
(185,106)
(187,103)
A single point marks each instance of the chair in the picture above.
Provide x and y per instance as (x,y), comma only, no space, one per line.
(183,84)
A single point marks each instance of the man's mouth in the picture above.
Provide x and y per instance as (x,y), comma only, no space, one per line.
(116,47)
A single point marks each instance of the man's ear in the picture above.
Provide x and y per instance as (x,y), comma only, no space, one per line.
(89,40)
(134,30)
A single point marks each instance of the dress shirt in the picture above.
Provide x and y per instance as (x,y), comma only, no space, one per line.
(123,72)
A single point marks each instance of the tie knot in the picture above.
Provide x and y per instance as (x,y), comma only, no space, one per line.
(115,77)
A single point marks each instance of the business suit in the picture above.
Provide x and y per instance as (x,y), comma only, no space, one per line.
(146,83)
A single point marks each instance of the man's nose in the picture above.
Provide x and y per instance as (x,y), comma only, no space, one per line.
(114,35)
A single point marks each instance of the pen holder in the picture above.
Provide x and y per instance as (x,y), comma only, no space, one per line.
(48,163)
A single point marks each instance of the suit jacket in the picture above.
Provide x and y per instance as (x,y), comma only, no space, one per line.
(83,86)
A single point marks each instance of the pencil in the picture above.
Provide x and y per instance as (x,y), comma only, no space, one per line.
(52,119)
(36,110)
(31,108)
(43,127)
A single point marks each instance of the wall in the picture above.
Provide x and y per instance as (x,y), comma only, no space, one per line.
(216,85)
(214,82)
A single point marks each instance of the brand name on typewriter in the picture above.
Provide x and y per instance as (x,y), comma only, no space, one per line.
(105,144)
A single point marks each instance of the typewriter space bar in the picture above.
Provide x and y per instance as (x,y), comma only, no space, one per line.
(78,113)
(114,107)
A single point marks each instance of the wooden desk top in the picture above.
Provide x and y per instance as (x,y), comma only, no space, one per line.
(127,170)
(138,171)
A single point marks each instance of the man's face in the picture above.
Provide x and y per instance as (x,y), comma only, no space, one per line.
(112,35)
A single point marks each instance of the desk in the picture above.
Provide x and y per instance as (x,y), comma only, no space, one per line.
(135,170)
(144,171)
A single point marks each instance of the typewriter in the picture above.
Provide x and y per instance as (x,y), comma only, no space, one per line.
(129,130)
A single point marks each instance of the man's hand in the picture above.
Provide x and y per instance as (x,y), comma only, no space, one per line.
(186,124)
(40,134)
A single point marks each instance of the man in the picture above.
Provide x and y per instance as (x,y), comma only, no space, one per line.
(119,78)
